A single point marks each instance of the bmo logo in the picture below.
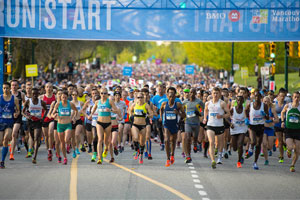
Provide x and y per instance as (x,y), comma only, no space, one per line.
(234,16)
(215,15)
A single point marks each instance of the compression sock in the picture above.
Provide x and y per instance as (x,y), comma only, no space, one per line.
(142,149)
(150,146)
(4,153)
(136,146)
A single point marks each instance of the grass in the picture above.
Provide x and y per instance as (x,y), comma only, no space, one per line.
(293,82)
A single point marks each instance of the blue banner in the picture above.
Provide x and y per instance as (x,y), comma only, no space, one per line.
(107,20)
(1,63)
(189,69)
(127,71)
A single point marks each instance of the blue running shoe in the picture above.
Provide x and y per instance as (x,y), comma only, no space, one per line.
(162,147)
(146,154)
(74,154)
(255,166)
(250,153)
(77,151)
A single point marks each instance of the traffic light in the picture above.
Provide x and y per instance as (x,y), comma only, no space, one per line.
(272,50)
(289,46)
(299,49)
(261,50)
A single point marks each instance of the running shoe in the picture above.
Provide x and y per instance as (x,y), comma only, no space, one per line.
(120,149)
(213,164)
(249,154)
(188,160)
(59,159)
(132,147)
(68,149)
(56,154)
(49,155)
(168,164)
(11,157)
(162,147)
(116,152)
(205,156)
(239,165)
(216,152)
(195,149)
(262,154)
(65,161)
(270,153)
(200,148)
(104,154)
(136,155)
(146,154)
(33,161)
(149,156)
(255,166)
(18,149)
(90,150)
(226,155)
(292,169)
(284,147)
(274,147)
(242,160)
(172,160)
(266,162)
(280,160)
(28,155)
(2,166)
(219,161)
(112,160)
(183,154)
(155,139)
(289,153)
(141,161)
(74,154)
(229,152)
(77,151)
(94,157)
(32,150)
(83,148)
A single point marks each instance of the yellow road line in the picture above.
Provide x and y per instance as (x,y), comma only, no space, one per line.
(168,188)
(73,179)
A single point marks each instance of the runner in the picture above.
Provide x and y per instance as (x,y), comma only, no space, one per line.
(169,112)
(123,108)
(192,123)
(269,132)
(18,121)
(139,111)
(292,125)
(104,106)
(28,143)
(32,110)
(48,124)
(127,125)
(238,128)
(215,112)
(64,125)
(256,112)
(9,110)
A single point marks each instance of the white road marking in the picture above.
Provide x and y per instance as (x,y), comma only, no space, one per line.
(195,176)
(202,193)
(198,186)
(193,172)
(196,180)
(192,167)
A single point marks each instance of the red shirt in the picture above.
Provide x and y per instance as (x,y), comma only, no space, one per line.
(48,102)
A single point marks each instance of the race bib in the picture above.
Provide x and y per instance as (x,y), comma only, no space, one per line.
(190,114)
(213,114)
(36,113)
(139,112)
(102,109)
(294,119)
(65,111)
(240,123)
(6,115)
(170,116)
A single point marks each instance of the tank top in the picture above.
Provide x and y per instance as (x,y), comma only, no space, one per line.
(7,109)
(140,111)
(292,117)
(238,121)
(48,102)
(24,118)
(35,110)
(256,118)
(64,111)
(113,116)
(169,117)
(78,106)
(213,110)
(102,108)
(271,115)
(88,111)
(278,111)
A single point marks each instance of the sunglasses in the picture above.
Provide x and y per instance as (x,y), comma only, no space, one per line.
(104,93)
(74,94)
(140,97)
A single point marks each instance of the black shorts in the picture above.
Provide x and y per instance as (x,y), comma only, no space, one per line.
(226,124)
(219,130)
(147,121)
(104,125)
(34,125)
(78,122)
(46,124)
(55,125)
(114,128)
(18,120)
(292,134)
(279,129)
(203,126)
(181,126)
(140,127)
(258,129)
(25,125)
(88,127)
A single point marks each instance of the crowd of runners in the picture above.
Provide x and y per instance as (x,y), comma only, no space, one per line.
(101,120)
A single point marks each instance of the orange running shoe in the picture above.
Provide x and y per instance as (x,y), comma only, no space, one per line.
(168,164)
(239,165)
(11,157)
(172,160)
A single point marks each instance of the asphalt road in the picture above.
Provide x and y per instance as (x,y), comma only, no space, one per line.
(126,179)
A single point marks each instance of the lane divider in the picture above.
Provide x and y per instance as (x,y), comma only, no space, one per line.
(73,179)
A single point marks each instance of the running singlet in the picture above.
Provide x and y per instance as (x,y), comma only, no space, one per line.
(102,108)
(48,102)
(35,110)
(256,117)
(215,109)
(140,111)
(88,111)
(78,106)
(278,111)
(64,111)
(7,109)
(292,117)
(238,121)
(170,117)
(23,117)
(126,115)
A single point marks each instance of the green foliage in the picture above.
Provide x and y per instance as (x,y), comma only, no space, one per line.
(125,56)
